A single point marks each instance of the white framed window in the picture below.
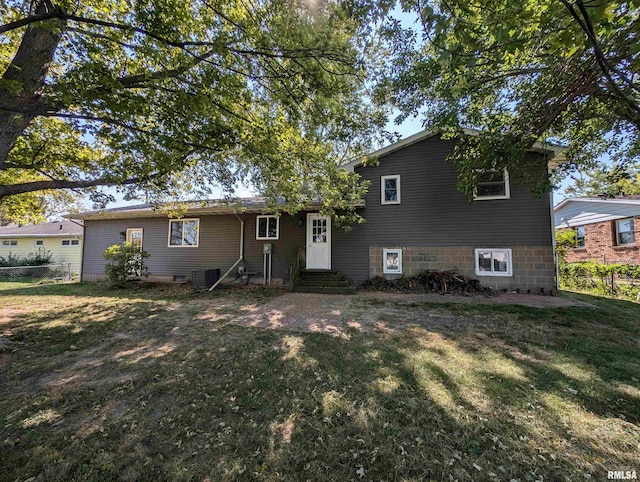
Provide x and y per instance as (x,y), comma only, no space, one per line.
(493,185)
(8,243)
(134,236)
(625,232)
(580,240)
(267,227)
(390,189)
(493,262)
(184,233)
(39,243)
(66,243)
(392,261)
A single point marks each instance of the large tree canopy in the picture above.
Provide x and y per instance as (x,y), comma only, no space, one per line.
(171,95)
(524,71)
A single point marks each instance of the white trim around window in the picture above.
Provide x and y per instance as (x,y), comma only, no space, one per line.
(69,243)
(387,193)
(184,238)
(268,220)
(625,232)
(493,262)
(491,184)
(392,261)
(9,243)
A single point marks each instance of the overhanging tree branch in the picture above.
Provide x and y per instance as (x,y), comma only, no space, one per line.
(13,189)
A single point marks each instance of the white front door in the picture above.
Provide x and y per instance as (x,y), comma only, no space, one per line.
(318,241)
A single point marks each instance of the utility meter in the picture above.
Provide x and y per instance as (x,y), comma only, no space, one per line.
(266,248)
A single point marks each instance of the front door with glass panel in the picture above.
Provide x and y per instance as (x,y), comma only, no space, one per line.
(134,236)
(318,241)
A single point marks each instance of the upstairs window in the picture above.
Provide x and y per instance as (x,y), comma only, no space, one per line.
(580,237)
(625,232)
(390,189)
(7,243)
(69,242)
(184,232)
(493,262)
(493,185)
(267,227)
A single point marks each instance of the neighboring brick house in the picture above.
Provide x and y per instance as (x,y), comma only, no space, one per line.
(606,230)
(416,220)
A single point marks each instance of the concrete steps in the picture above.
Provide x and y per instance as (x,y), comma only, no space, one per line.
(323,281)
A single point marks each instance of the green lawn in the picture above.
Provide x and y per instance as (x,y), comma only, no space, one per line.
(112,385)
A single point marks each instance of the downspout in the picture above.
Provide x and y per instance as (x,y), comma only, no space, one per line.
(553,234)
(239,259)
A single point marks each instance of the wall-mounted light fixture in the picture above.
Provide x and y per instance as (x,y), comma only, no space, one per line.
(123,235)
(300,221)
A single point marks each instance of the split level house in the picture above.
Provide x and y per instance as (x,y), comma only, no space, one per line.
(62,238)
(606,230)
(416,220)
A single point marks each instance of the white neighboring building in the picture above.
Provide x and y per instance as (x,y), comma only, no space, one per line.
(62,238)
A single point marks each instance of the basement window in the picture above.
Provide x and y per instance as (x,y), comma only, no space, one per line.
(392,261)
(493,262)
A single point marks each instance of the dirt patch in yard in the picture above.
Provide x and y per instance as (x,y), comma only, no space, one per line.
(337,314)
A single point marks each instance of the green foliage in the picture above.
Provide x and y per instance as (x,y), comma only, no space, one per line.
(522,72)
(565,239)
(123,262)
(610,181)
(604,279)
(40,258)
(168,98)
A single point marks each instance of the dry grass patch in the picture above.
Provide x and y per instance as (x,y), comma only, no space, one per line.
(104,385)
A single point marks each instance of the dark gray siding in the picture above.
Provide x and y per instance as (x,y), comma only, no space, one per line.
(219,245)
(434,213)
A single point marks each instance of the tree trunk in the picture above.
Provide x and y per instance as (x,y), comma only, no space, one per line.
(20,99)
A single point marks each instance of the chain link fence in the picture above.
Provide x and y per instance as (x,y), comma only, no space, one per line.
(33,275)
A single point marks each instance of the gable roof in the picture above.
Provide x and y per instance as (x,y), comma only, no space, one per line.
(256,205)
(548,148)
(578,211)
(42,230)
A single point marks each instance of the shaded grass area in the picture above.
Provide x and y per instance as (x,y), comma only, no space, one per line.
(157,384)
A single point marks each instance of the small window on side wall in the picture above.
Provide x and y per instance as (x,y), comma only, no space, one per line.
(390,189)
(39,243)
(267,227)
(493,262)
(580,240)
(392,261)
(493,185)
(66,243)
(7,243)
(625,232)
(184,233)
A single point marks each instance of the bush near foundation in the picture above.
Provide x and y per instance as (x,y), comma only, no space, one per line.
(427,282)
(124,261)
